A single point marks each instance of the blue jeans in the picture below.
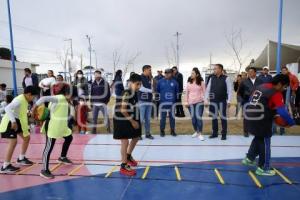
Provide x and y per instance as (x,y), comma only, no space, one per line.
(145,115)
(196,111)
(95,112)
(163,116)
(215,108)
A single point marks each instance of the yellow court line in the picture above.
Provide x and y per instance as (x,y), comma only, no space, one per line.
(283,176)
(255,180)
(178,176)
(146,172)
(75,170)
(26,169)
(219,176)
(55,167)
(111,171)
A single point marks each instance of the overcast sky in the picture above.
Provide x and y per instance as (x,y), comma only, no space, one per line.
(145,26)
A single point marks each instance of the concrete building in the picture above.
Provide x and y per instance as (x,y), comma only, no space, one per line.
(6,72)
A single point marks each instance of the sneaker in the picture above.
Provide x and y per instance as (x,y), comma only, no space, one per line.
(108,129)
(260,172)
(141,138)
(10,169)
(213,136)
(46,174)
(162,133)
(173,133)
(132,162)
(195,135)
(149,137)
(24,162)
(82,132)
(223,137)
(246,134)
(127,171)
(248,162)
(64,160)
(201,137)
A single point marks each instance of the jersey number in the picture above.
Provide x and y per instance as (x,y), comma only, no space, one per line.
(255,97)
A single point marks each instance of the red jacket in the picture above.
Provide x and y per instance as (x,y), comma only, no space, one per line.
(294,82)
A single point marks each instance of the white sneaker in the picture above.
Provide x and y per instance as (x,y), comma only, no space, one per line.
(195,135)
(201,137)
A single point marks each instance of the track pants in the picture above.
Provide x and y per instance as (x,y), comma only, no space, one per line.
(261,146)
(50,142)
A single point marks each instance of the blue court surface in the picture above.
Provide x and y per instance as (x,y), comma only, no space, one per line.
(170,168)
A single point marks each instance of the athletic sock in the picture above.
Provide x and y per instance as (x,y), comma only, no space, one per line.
(21,156)
(123,165)
(129,157)
(5,164)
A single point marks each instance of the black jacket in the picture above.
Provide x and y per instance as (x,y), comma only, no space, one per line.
(100,93)
(247,87)
(179,78)
(35,81)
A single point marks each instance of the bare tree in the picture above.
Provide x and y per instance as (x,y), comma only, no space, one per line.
(116,59)
(171,55)
(236,42)
(63,59)
(130,62)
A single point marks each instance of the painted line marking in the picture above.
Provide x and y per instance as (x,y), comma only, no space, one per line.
(178,176)
(146,172)
(75,170)
(288,181)
(111,171)
(255,180)
(55,167)
(218,174)
(27,169)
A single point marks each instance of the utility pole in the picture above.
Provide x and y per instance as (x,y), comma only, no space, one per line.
(90,50)
(71,46)
(12,55)
(177,48)
(278,60)
(96,59)
(210,61)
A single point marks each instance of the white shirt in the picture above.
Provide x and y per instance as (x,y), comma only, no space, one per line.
(253,80)
(46,83)
(2,95)
(13,110)
(28,81)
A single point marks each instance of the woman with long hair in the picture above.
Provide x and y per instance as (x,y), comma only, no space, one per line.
(195,91)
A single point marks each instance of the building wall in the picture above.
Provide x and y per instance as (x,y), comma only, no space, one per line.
(6,72)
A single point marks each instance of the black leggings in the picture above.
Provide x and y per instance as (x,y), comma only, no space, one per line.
(50,142)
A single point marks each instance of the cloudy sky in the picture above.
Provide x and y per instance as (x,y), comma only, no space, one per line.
(145,26)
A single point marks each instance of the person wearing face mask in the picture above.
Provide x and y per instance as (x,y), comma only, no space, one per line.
(99,98)
(80,84)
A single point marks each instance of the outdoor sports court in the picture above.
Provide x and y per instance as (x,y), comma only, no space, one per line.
(171,167)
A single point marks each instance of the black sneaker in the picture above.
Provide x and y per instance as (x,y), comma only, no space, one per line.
(173,133)
(64,160)
(246,134)
(149,137)
(162,133)
(9,169)
(223,137)
(24,162)
(46,174)
(213,136)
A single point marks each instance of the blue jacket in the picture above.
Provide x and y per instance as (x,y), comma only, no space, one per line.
(167,90)
(119,87)
(265,78)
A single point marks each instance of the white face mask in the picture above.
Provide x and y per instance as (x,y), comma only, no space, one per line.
(79,75)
